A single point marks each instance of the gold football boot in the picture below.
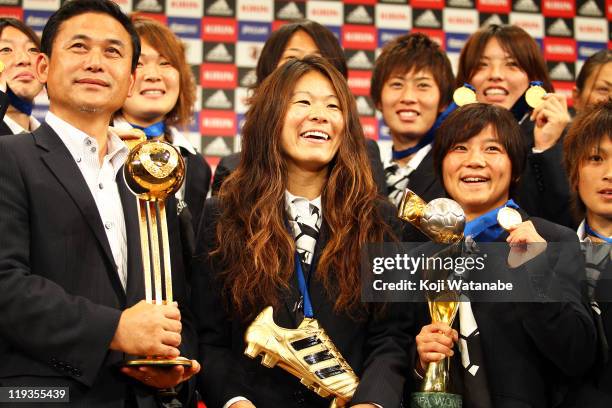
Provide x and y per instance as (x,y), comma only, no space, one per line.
(306,352)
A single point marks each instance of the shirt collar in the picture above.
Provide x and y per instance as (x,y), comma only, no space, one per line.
(302,202)
(76,141)
(414,161)
(16,127)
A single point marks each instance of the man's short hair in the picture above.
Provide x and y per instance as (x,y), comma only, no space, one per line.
(75,8)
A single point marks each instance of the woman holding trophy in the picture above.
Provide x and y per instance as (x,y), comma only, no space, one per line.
(279,277)
(511,354)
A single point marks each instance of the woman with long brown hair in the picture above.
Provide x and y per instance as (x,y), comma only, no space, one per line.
(301,204)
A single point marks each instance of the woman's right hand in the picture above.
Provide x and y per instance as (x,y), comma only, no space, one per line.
(434,342)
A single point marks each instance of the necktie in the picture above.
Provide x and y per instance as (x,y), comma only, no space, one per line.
(305,220)
(397,180)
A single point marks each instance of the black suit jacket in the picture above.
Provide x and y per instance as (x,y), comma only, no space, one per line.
(544,188)
(424,181)
(197,184)
(4,104)
(61,294)
(230,162)
(375,348)
(533,351)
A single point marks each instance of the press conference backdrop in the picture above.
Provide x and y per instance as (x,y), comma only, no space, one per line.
(225,37)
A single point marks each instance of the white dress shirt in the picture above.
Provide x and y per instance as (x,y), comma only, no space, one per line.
(101,180)
(16,127)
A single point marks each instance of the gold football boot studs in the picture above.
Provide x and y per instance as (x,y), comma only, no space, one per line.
(306,352)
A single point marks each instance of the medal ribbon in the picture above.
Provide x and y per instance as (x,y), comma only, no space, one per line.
(18,103)
(308,312)
(594,233)
(427,138)
(155,130)
(485,228)
(520,107)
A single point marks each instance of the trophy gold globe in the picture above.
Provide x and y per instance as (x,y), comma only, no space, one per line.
(443,221)
(153,171)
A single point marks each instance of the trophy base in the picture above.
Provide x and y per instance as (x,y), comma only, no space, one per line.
(157,362)
(435,400)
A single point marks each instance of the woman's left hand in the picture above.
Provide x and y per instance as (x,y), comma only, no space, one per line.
(551,117)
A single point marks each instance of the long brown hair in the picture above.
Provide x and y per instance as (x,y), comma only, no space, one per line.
(254,247)
(515,41)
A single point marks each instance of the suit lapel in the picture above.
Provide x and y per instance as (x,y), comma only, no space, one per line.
(423,177)
(135,277)
(61,164)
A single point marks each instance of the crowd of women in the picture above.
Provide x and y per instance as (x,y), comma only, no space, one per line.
(291,213)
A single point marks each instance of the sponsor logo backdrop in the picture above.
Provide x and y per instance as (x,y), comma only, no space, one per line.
(225,37)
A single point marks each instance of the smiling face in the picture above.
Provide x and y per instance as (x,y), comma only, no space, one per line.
(410,105)
(156,89)
(477,173)
(499,79)
(18,53)
(595,180)
(313,125)
(90,66)
(300,44)
(597,88)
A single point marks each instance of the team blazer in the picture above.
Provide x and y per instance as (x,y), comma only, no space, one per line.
(424,180)
(61,295)
(375,348)
(533,351)
(230,162)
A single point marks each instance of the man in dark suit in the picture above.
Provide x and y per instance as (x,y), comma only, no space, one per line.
(70,262)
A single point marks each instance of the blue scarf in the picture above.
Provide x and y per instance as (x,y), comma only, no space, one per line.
(18,103)
(485,228)
(155,130)
(429,136)
(594,233)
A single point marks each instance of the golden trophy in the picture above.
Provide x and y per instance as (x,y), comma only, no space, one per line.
(153,171)
(443,221)
(306,352)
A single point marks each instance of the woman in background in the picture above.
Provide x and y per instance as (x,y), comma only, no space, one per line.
(19,48)
(501,62)
(412,85)
(588,160)
(594,82)
(161,101)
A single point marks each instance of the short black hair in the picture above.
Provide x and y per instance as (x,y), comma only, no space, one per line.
(75,8)
(273,49)
(471,119)
(19,25)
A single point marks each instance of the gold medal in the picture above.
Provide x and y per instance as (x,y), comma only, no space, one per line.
(508,218)
(464,95)
(534,95)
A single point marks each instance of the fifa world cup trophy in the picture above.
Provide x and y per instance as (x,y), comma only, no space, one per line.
(443,221)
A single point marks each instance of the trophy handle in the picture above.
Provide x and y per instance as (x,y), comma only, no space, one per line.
(436,376)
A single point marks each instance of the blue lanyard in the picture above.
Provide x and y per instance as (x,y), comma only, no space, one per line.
(18,103)
(429,136)
(485,228)
(594,233)
(155,130)
(303,287)
(520,107)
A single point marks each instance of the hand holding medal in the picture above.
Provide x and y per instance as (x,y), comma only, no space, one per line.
(522,234)
(549,113)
